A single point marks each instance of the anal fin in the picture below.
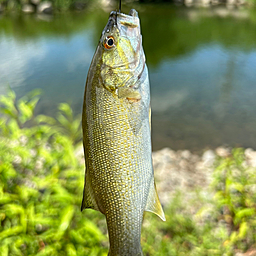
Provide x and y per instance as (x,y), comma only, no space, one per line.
(153,203)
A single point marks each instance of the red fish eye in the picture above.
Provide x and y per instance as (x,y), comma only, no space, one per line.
(109,42)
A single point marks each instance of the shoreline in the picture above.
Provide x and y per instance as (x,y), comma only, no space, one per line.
(50,7)
(185,171)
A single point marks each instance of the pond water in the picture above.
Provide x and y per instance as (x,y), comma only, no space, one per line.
(202,65)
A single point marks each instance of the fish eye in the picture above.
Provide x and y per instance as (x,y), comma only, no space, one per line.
(109,42)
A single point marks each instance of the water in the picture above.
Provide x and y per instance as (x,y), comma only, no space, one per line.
(202,65)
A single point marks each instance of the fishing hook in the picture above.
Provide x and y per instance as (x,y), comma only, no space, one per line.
(119,10)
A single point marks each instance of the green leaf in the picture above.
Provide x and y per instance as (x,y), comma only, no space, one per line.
(4,199)
(66,218)
(66,109)
(234,237)
(71,250)
(45,119)
(13,209)
(4,250)
(25,112)
(238,186)
(243,230)
(49,250)
(11,94)
(93,229)
(247,212)
(63,121)
(11,232)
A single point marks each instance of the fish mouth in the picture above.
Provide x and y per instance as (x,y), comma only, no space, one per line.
(128,20)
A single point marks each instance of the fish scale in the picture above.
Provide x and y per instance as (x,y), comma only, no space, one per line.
(119,179)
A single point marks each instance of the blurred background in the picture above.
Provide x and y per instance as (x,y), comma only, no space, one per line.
(201,60)
(201,56)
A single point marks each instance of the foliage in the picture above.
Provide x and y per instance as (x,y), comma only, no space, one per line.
(235,184)
(66,123)
(41,186)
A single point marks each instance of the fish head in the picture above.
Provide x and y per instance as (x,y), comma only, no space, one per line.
(121,50)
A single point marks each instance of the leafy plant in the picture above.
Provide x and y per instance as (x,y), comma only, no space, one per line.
(41,186)
(235,182)
(65,123)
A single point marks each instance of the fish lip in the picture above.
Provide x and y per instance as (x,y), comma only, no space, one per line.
(126,19)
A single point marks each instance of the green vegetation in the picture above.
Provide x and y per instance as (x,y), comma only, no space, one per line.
(235,196)
(41,184)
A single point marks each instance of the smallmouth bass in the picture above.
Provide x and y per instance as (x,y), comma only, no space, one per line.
(119,179)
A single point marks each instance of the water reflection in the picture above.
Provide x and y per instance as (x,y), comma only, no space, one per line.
(202,69)
(211,105)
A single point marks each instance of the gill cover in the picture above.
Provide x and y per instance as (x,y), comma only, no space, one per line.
(123,59)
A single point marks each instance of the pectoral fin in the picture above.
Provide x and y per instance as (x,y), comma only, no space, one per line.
(129,93)
(88,196)
(153,203)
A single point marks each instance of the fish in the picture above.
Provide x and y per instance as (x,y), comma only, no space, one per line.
(116,120)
